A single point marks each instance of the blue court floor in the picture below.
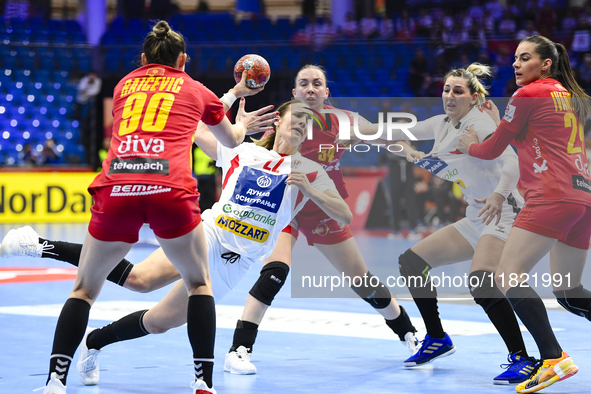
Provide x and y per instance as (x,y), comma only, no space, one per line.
(305,345)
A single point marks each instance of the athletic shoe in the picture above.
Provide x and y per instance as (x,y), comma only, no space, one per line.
(518,370)
(548,372)
(200,387)
(412,343)
(431,349)
(22,241)
(238,362)
(88,366)
(54,386)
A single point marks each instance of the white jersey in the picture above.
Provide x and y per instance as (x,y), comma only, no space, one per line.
(256,204)
(477,178)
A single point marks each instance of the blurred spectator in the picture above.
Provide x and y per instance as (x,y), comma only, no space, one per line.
(350,28)
(512,7)
(205,170)
(582,36)
(163,9)
(474,37)
(424,23)
(546,20)
(507,26)
(309,8)
(528,30)
(386,28)
(50,154)
(369,26)
(584,73)
(448,20)
(427,88)
(439,192)
(488,24)
(569,23)
(326,33)
(494,8)
(475,12)
(27,156)
(104,150)
(88,88)
(510,87)
(405,26)
(419,68)
(203,6)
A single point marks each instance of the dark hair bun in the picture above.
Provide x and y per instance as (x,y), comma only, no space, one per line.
(161,29)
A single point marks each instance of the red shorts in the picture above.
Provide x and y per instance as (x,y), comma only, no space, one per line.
(320,230)
(120,211)
(567,222)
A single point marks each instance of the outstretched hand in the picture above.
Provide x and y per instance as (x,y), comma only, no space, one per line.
(258,121)
(491,109)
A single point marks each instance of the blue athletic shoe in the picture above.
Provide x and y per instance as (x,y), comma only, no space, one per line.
(431,349)
(518,370)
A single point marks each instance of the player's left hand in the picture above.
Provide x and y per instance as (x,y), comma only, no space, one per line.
(302,182)
(241,90)
(493,207)
(467,139)
(256,121)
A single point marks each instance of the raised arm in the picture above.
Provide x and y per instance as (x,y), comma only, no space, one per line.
(330,202)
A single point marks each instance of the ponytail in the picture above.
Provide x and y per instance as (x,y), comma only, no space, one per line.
(561,71)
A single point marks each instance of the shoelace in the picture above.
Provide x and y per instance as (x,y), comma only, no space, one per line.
(513,365)
(243,354)
(89,363)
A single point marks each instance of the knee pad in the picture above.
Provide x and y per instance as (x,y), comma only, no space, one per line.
(414,269)
(484,289)
(272,278)
(378,297)
(577,301)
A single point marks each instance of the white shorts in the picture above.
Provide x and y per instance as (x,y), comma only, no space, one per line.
(225,267)
(472,228)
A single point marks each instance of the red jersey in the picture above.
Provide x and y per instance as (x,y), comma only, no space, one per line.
(156,110)
(550,142)
(328,159)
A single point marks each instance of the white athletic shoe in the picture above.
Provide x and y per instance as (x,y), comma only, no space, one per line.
(54,386)
(88,366)
(200,387)
(238,362)
(23,241)
(412,343)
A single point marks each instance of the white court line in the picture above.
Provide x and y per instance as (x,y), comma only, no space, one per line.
(346,324)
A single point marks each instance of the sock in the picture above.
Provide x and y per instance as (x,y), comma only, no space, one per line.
(124,329)
(69,332)
(426,300)
(201,330)
(401,325)
(70,253)
(502,317)
(244,335)
(530,309)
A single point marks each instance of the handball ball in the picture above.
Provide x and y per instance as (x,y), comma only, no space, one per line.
(258,71)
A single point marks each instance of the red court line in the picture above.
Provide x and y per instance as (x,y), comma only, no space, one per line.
(35,274)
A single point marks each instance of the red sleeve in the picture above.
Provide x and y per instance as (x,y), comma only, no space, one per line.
(494,146)
(213,109)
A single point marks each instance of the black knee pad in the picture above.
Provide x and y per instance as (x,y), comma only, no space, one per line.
(414,269)
(577,301)
(378,296)
(272,278)
(484,289)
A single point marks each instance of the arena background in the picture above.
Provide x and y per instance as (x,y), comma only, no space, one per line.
(388,54)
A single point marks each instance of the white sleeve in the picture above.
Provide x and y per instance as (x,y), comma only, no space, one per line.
(510,172)
(424,130)
(323,182)
(483,125)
